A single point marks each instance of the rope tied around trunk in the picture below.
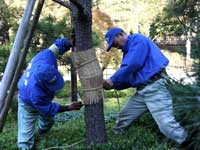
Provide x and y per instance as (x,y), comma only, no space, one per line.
(90,74)
(85,63)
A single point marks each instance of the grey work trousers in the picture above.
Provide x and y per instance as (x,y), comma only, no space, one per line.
(156,98)
(27,117)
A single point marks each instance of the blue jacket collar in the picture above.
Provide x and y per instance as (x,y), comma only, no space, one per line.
(126,45)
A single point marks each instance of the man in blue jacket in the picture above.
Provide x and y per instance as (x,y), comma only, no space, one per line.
(143,67)
(37,87)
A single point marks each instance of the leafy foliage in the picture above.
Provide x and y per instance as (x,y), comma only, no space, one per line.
(165,25)
(48,29)
(186,12)
(177,18)
(69,126)
(187,108)
(4,53)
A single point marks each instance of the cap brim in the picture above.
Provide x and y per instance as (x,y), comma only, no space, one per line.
(58,85)
(109,45)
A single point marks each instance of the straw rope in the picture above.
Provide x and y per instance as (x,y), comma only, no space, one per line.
(90,74)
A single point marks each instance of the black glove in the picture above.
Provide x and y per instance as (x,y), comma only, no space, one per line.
(107,85)
(73,106)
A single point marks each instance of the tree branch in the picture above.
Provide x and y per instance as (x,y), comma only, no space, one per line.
(179,20)
(64,3)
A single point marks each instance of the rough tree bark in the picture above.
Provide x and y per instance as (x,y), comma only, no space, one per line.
(94,116)
(82,22)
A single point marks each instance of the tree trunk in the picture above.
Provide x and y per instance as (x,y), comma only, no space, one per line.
(82,23)
(188,49)
(94,115)
(13,58)
(95,125)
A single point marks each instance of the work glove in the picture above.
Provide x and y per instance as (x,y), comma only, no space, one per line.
(63,45)
(73,106)
(107,84)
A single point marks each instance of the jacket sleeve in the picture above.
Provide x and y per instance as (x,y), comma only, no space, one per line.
(132,61)
(43,104)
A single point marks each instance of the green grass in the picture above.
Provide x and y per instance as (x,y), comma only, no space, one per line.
(70,128)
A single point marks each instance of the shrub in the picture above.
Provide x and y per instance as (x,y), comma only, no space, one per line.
(187,109)
(4,53)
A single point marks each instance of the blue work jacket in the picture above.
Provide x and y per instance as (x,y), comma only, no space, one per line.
(141,60)
(36,93)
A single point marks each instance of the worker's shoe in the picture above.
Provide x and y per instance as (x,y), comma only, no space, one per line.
(42,132)
(188,143)
(23,148)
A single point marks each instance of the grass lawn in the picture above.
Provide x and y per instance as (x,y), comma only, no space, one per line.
(69,128)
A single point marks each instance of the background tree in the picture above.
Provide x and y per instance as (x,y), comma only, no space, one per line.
(181,18)
(13,59)
(9,16)
(19,67)
(4,27)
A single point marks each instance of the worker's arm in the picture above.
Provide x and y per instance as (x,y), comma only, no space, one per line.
(108,85)
(42,103)
(132,61)
(61,45)
(45,105)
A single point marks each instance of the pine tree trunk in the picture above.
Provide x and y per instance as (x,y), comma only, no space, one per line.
(94,115)
(82,23)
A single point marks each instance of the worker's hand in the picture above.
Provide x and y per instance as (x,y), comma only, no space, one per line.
(75,106)
(107,84)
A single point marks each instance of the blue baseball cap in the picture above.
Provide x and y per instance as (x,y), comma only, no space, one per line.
(63,45)
(49,75)
(110,36)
